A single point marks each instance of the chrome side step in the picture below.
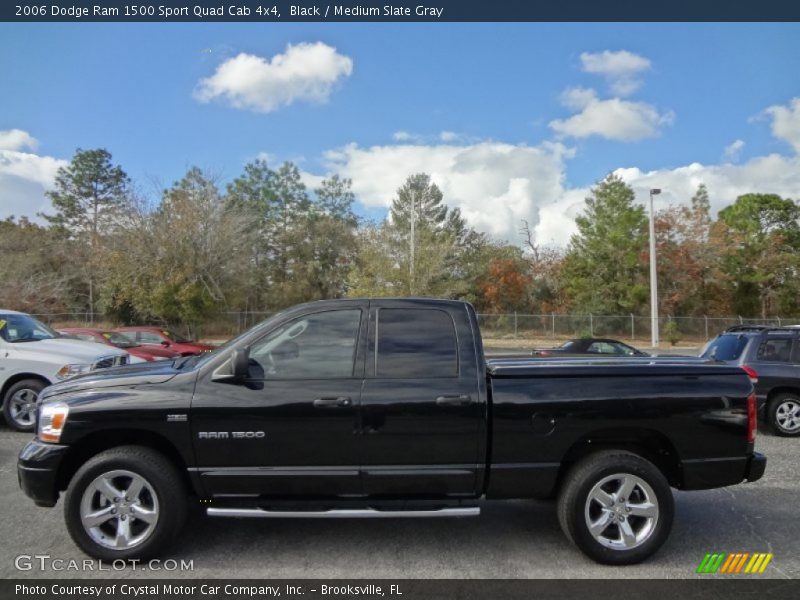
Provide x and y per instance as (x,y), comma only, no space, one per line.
(341,513)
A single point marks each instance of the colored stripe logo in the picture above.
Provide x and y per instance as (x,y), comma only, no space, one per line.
(735,563)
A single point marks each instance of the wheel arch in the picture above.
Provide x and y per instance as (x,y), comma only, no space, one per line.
(16,378)
(650,444)
(783,389)
(94,443)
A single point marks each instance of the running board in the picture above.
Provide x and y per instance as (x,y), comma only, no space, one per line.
(360,513)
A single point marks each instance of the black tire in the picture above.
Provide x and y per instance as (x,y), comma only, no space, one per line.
(27,389)
(165,483)
(778,423)
(574,504)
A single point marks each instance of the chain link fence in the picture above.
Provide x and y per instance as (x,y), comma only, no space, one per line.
(630,327)
(520,326)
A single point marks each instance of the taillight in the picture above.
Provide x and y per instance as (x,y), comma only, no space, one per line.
(751,373)
(752,418)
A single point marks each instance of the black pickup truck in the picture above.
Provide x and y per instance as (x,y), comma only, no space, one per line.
(385,408)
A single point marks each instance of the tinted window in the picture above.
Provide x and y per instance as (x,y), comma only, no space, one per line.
(604,348)
(726,347)
(119,340)
(775,350)
(169,334)
(317,346)
(146,337)
(415,343)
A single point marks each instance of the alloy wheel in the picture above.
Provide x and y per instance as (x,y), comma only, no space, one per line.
(621,511)
(119,509)
(22,407)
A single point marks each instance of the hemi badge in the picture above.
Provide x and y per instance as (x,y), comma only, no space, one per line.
(176,418)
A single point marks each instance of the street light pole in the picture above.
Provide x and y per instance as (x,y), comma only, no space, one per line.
(412,241)
(653,274)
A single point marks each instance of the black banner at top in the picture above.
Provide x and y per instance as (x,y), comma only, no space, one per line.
(270,11)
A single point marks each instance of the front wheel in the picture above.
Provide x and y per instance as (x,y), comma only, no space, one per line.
(616,507)
(783,413)
(19,405)
(125,503)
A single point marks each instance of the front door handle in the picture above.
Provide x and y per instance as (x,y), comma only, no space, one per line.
(462,400)
(330,402)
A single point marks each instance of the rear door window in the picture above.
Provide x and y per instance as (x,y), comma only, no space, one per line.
(415,343)
(726,347)
(775,350)
(147,337)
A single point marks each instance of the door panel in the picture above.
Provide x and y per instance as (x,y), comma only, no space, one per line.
(305,449)
(292,427)
(421,414)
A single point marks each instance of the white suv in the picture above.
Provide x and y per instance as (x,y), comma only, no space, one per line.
(32,356)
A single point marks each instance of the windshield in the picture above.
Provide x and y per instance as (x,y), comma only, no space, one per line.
(726,347)
(23,328)
(178,339)
(568,345)
(119,340)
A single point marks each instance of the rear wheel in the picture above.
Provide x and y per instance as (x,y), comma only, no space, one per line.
(783,413)
(125,503)
(19,406)
(616,507)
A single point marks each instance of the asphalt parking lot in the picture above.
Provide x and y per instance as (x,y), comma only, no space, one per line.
(511,539)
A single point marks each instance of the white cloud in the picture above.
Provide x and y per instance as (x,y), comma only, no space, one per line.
(403,136)
(620,68)
(786,122)
(305,71)
(449,136)
(495,185)
(733,151)
(772,174)
(16,139)
(24,177)
(614,118)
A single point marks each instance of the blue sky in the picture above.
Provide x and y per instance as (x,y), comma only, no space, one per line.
(499,90)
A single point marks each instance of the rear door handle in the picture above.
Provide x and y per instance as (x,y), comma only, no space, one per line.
(462,400)
(329,402)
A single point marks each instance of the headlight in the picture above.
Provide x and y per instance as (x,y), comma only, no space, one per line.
(71,370)
(52,418)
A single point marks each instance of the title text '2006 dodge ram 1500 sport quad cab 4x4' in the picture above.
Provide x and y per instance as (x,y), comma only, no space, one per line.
(386,408)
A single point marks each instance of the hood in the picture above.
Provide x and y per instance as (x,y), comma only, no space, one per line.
(68,350)
(139,374)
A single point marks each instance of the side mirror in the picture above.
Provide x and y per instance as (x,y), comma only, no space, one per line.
(165,343)
(236,368)
(240,363)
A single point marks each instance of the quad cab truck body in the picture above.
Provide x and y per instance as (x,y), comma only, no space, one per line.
(386,408)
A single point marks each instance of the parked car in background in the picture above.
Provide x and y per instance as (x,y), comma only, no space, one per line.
(33,356)
(166,338)
(771,357)
(118,340)
(592,346)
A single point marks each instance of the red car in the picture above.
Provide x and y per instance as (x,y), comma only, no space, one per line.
(160,336)
(112,338)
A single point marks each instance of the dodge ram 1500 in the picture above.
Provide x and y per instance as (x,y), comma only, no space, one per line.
(386,408)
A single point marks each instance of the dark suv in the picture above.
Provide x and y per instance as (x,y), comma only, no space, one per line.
(771,356)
